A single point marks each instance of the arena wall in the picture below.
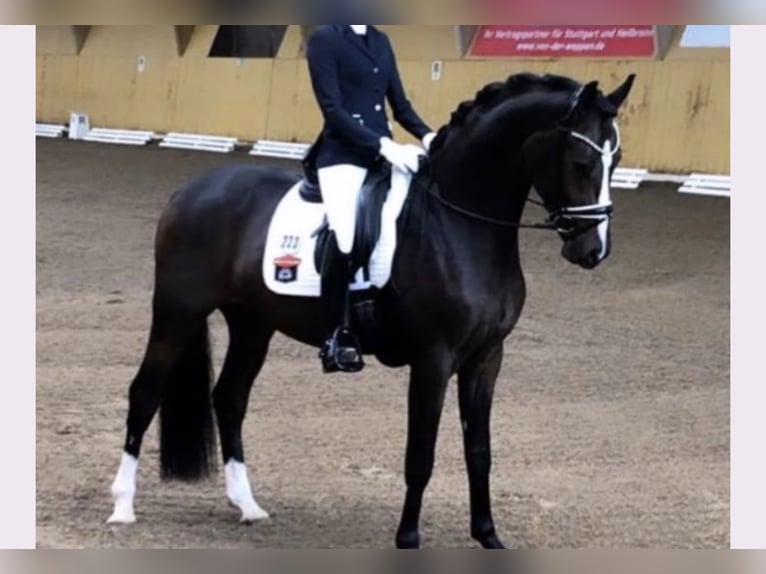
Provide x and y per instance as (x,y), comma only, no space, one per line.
(677,120)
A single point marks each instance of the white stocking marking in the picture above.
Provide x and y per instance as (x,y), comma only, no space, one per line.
(240,494)
(124,490)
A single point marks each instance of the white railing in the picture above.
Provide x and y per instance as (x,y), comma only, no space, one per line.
(282,150)
(50,130)
(124,137)
(704,184)
(627,178)
(217,144)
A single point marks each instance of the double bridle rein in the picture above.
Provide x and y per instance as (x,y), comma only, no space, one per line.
(563,219)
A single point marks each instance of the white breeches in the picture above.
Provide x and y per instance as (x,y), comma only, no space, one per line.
(341,185)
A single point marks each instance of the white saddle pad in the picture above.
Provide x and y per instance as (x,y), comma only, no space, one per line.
(288,263)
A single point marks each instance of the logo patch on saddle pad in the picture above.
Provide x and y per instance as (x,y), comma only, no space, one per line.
(286,268)
(288,262)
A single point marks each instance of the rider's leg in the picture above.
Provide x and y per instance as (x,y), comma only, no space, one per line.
(341,186)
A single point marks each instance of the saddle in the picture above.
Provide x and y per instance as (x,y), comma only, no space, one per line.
(369,209)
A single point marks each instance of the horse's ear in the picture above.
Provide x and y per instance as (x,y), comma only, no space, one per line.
(618,97)
(582,100)
(587,95)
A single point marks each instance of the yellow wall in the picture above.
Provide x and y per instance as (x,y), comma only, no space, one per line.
(676,120)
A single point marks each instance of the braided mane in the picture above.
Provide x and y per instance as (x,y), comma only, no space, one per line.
(495,93)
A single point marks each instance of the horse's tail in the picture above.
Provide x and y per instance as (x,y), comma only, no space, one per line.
(187,438)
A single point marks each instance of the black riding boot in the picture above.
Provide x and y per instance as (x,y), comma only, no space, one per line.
(340,351)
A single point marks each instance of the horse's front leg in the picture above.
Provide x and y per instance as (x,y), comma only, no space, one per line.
(476,384)
(428,384)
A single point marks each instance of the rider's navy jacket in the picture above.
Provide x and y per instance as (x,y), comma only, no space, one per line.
(352,77)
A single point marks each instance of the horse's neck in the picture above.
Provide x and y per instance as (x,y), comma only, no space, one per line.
(480,168)
(478,172)
(492,183)
(480,201)
(454,245)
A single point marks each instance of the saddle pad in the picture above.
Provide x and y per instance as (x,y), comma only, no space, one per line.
(288,262)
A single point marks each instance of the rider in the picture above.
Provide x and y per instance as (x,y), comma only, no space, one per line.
(353,71)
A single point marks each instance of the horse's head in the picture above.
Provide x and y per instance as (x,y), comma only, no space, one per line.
(571,168)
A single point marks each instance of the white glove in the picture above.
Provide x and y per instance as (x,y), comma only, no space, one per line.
(404,157)
(428,139)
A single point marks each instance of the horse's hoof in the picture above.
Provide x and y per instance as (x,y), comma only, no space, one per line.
(124,517)
(254,515)
(410,541)
(490,542)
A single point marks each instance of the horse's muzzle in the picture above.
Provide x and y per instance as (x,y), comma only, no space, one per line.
(588,258)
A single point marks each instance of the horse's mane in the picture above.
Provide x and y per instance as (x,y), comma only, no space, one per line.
(495,93)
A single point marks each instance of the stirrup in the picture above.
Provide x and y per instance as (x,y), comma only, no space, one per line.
(341,353)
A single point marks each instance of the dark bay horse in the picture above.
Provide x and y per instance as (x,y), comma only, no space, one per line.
(455,294)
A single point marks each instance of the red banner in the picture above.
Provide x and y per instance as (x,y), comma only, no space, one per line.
(600,41)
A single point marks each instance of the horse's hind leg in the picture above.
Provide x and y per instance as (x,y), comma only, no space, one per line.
(167,339)
(248,345)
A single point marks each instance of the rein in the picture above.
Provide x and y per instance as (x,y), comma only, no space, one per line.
(550,226)
(598,213)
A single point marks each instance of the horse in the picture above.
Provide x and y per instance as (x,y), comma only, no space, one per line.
(459,228)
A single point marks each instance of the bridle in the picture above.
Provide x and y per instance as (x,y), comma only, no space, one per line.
(563,219)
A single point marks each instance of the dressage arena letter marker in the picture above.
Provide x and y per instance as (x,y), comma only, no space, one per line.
(436,71)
